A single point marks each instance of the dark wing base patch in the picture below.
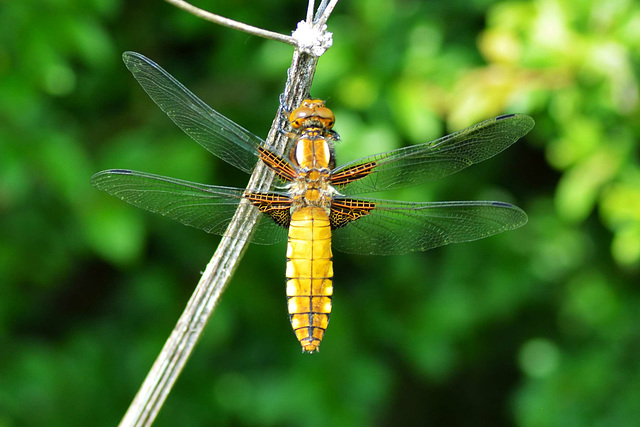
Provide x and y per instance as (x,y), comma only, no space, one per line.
(344,211)
(274,205)
(280,166)
(352,173)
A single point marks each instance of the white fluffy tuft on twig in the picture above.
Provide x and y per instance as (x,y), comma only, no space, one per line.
(312,39)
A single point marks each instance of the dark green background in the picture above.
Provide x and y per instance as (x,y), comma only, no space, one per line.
(536,327)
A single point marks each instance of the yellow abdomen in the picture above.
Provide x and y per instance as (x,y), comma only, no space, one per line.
(309,275)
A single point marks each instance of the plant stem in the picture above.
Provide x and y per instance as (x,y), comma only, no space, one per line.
(178,348)
(230,23)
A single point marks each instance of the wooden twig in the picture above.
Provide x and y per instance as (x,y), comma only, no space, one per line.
(230,23)
(310,36)
(324,11)
(181,342)
(310,7)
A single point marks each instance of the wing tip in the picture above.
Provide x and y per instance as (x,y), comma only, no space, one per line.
(502,204)
(97,178)
(523,218)
(129,54)
(132,60)
(505,116)
(526,119)
(113,171)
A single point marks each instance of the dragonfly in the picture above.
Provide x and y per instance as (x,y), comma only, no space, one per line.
(316,205)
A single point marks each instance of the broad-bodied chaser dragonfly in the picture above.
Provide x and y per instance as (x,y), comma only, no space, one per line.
(314,204)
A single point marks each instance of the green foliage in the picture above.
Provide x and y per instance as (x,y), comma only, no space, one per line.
(535,327)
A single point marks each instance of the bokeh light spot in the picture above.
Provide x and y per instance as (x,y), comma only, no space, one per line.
(539,357)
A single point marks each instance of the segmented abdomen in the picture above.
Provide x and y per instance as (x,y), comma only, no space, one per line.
(309,275)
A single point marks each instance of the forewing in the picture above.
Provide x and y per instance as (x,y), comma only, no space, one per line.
(219,135)
(433,160)
(401,227)
(207,207)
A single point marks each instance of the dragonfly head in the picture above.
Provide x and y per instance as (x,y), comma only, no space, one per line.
(312,112)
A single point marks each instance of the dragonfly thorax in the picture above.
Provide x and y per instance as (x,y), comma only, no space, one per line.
(312,187)
(312,156)
(312,150)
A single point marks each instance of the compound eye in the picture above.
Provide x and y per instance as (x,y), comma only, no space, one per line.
(326,116)
(310,111)
(298,115)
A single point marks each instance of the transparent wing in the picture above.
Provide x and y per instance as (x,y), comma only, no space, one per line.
(207,207)
(401,227)
(433,160)
(219,135)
